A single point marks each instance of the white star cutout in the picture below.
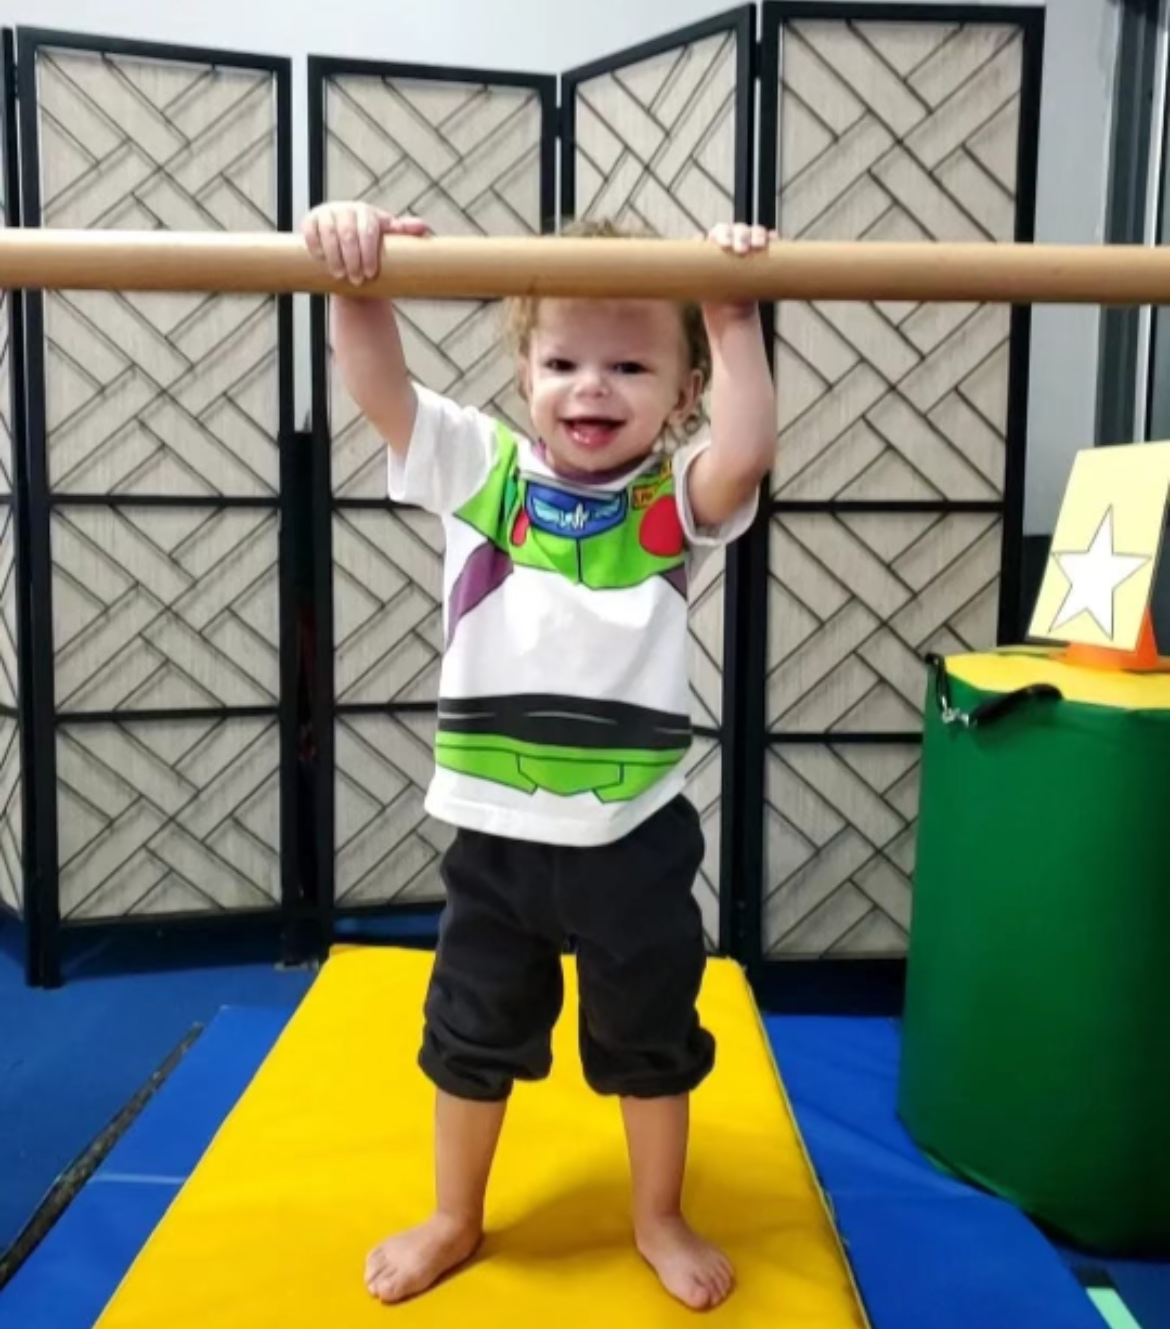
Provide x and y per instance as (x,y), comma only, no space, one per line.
(1094,575)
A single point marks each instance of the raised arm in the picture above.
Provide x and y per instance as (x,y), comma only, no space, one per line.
(726,475)
(347,238)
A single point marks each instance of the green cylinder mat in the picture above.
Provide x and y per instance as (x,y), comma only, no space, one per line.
(1036,1053)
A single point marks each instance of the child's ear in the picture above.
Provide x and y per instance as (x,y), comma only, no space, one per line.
(689,397)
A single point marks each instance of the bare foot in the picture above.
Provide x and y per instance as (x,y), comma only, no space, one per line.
(691,1269)
(410,1262)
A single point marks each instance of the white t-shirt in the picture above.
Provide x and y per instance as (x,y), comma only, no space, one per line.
(564,704)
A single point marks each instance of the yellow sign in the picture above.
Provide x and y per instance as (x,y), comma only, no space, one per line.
(1105,550)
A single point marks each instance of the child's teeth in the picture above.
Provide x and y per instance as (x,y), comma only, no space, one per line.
(591,431)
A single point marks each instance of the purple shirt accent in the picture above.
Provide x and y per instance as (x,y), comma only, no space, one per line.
(489,566)
(484,572)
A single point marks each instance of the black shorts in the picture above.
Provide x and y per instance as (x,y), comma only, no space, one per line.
(628,911)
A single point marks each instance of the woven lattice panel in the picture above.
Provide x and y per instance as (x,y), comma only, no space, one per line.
(162,396)
(11,813)
(156,392)
(466,157)
(9,678)
(11,786)
(895,132)
(11,783)
(856,600)
(387,597)
(387,847)
(705,790)
(839,850)
(5,341)
(165,608)
(888,132)
(164,818)
(655,147)
(656,140)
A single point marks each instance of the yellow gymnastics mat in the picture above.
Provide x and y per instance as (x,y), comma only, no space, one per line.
(329,1150)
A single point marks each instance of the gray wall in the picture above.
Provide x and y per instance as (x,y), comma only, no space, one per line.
(1075,128)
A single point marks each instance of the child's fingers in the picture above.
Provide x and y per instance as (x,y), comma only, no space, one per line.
(331,247)
(751,238)
(350,244)
(347,238)
(407,226)
(371,244)
(311,233)
(740,237)
(373,226)
(723,235)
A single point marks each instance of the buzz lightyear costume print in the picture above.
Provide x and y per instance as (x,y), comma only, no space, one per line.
(564,706)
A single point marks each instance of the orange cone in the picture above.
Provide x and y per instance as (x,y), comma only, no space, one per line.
(1142,659)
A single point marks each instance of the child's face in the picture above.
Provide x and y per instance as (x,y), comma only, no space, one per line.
(603,379)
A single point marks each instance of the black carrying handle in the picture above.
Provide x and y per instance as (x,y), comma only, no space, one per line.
(987,712)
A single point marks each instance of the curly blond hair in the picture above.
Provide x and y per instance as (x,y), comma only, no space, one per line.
(520,313)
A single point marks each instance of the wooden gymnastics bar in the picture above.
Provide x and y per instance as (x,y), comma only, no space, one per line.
(492,268)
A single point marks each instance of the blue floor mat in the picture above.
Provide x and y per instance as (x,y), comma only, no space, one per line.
(74,1272)
(928,1252)
(1145,1289)
(175,1128)
(71,1058)
(71,1276)
(953,1263)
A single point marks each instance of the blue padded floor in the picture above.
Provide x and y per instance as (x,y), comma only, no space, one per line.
(928,1252)
(71,1276)
(1145,1289)
(72,1057)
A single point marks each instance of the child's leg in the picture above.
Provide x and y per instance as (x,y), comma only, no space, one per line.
(466,1134)
(641,958)
(495,994)
(691,1269)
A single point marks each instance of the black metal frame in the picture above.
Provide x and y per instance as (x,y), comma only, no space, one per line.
(323,706)
(29,913)
(38,503)
(784,982)
(735,850)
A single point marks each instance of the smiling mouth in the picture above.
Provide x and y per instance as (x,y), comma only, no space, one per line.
(591,431)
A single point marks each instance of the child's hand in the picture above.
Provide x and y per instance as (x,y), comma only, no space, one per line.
(737,238)
(347,237)
(740,238)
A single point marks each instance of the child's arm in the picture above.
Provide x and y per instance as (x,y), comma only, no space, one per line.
(439,453)
(347,238)
(727,475)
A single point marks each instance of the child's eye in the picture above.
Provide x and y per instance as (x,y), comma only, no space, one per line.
(557,366)
(630,367)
